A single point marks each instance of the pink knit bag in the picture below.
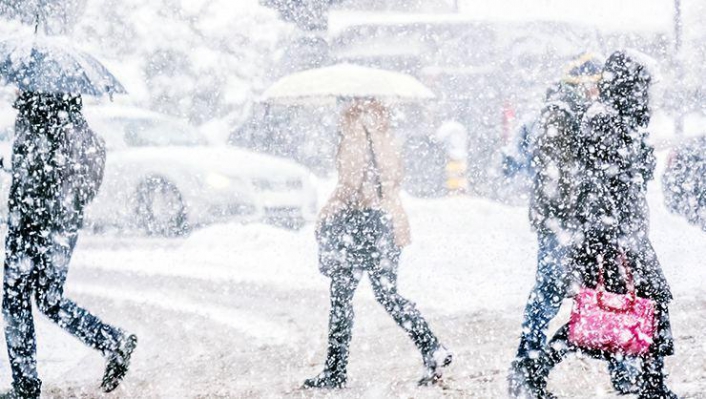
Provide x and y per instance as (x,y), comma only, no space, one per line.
(615,323)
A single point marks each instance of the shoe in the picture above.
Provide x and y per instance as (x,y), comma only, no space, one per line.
(661,393)
(653,381)
(325,380)
(434,365)
(528,380)
(24,389)
(118,364)
(625,375)
(625,386)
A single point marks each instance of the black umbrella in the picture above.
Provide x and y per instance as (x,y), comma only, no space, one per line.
(48,64)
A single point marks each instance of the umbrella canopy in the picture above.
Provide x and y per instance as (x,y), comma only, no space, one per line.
(347,81)
(51,65)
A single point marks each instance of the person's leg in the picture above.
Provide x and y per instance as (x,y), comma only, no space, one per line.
(343,286)
(653,382)
(383,279)
(384,282)
(17,313)
(530,381)
(546,296)
(115,345)
(542,306)
(625,373)
(653,379)
(53,269)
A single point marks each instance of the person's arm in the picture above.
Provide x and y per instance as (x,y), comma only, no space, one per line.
(550,157)
(647,161)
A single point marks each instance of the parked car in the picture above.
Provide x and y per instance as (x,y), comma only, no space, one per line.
(684,181)
(161,177)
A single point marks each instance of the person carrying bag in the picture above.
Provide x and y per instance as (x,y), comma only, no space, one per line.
(362,229)
(616,315)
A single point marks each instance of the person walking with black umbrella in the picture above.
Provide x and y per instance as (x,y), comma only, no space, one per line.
(57,168)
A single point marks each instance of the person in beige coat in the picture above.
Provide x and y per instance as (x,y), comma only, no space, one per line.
(363,228)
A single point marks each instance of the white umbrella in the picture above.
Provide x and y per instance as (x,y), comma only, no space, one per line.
(346,81)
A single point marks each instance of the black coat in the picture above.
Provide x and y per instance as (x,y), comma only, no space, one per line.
(615,163)
(57,164)
(552,198)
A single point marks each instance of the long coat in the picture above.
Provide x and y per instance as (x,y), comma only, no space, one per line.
(356,187)
(616,163)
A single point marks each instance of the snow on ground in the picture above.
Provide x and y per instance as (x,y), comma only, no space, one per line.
(241,311)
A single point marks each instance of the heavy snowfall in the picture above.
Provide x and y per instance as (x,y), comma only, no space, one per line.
(182,169)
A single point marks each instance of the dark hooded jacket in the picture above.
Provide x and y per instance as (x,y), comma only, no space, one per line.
(552,199)
(57,163)
(615,163)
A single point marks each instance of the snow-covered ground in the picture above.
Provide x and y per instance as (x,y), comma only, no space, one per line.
(241,311)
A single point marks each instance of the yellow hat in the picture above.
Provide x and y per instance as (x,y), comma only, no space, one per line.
(586,68)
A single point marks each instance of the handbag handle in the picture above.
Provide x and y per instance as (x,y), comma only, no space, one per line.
(630,285)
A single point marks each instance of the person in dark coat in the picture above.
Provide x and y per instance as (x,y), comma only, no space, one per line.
(552,151)
(363,228)
(57,168)
(615,164)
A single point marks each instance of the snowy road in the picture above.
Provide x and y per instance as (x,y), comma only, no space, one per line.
(241,311)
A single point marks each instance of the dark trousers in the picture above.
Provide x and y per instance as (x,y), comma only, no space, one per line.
(36,265)
(351,244)
(547,295)
(384,283)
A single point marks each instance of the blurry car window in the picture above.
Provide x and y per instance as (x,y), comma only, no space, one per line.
(122,132)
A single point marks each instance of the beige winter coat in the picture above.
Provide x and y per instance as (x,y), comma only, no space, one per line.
(356,186)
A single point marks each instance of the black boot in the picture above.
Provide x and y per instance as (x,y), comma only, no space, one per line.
(28,388)
(326,380)
(625,375)
(653,384)
(434,363)
(118,363)
(528,379)
(334,374)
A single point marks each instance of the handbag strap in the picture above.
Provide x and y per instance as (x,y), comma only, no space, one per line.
(628,274)
(622,257)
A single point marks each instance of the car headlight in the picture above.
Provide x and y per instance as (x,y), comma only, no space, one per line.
(217,181)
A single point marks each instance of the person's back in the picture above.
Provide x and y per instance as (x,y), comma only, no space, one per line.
(58,161)
(365,134)
(552,198)
(362,230)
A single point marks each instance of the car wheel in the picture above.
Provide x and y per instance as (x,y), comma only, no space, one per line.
(160,208)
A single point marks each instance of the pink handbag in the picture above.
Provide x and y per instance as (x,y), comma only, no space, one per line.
(615,323)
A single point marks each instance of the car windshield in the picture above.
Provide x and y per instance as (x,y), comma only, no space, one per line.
(147,132)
